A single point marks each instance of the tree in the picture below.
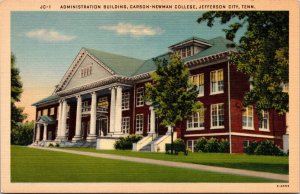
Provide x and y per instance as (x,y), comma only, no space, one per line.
(262,53)
(22,134)
(17,114)
(171,94)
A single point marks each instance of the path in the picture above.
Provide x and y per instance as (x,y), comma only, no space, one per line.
(176,164)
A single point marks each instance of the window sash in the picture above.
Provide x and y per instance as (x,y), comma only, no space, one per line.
(125,125)
(217,115)
(125,101)
(217,81)
(140,96)
(196,120)
(139,123)
(264,123)
(248,118)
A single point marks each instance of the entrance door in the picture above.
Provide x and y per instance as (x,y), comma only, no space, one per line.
(102,126)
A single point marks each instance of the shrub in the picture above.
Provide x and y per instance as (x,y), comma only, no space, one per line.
(125,143)
(22,134)
(268,148)
(200,144)
(212,145)
(224,146)
(251,147)
(179,142)
(51,145)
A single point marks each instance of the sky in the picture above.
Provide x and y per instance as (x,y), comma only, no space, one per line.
(46,43)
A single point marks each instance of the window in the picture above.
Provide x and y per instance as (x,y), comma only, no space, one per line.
(39,113)
(191,145)
(85,106)
(217,85)
(140,96)
(103,104)
(86,71)
(198,80)
(188,51)
(264,122)
(196,121)
(246,143)
(217,116)
(183,52)
(52,111)
(248,118)
(125,124)
(139,123)
(45,112)
(125,101)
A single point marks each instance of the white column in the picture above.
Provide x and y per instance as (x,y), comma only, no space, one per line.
(78,120)
(118,111)
(112,111)
(45,132)
(64,120)
(38,130)
(59,120)
(92,135)
(152,120)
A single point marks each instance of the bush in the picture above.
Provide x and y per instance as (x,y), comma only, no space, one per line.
(200,144)
(125,143)
(264,148)
(268,148)
(224,146)
(179,143)
(212,145)
(250,149)
(22,134)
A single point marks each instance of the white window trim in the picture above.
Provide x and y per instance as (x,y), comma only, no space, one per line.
(268,123)
(195,128)
(211,120)
(126,93)
(140,105)
(210,81)
(249,128)
(123,125)
(140,131)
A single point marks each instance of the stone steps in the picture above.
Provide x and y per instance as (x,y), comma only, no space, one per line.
(147,148)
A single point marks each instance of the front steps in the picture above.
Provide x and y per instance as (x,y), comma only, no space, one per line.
(147,148)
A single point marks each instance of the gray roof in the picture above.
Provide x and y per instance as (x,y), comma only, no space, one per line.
(46,119)
(49,99)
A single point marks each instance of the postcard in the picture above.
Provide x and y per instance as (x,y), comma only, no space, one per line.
(149,96)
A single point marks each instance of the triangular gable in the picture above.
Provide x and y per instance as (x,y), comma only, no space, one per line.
(73,78)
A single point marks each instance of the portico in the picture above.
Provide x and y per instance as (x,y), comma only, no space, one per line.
(101,108)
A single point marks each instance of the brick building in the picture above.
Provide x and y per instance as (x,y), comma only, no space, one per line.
(100,98)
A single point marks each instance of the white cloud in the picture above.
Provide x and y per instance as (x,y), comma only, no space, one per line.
(45,35)
(133,30)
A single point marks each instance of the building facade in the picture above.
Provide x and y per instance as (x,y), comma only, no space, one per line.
(101,98)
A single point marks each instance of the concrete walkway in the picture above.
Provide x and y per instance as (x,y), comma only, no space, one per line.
(176,164)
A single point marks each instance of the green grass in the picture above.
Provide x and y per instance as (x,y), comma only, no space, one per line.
(274,164)
(33,165)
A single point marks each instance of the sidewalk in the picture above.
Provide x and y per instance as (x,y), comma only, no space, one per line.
(176,164)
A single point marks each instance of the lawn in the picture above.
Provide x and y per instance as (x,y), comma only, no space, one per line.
(33,165)
(274,164)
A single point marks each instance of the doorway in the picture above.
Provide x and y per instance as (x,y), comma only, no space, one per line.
(102,126)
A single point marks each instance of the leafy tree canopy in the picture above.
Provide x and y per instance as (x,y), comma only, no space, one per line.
(263,53)
(16,91)
(172,95)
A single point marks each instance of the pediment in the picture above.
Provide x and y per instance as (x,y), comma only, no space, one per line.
(84,70)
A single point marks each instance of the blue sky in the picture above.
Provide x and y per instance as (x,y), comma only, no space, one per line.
(46,43)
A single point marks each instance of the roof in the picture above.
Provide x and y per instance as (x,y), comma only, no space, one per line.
(121,65)
(46,119)
(220,45)
(49,99)
(194,38)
